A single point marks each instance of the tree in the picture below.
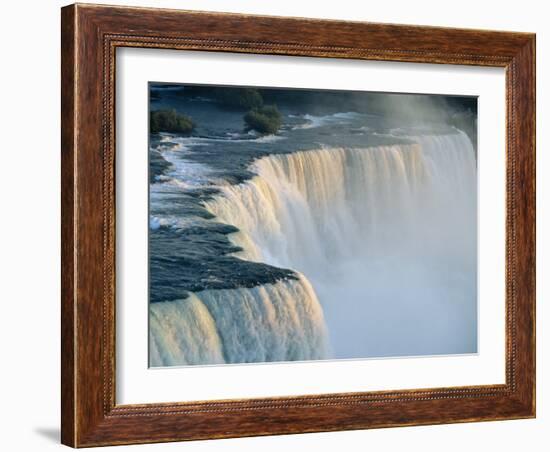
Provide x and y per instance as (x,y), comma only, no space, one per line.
(266,119)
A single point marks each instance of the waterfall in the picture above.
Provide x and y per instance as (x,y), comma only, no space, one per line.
(273,322)
(386,235)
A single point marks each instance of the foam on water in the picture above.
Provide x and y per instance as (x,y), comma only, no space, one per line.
(313,121)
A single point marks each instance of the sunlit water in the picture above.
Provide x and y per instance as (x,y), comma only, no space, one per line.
(331,252)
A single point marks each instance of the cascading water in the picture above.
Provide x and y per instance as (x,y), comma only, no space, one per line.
(271,322)
(386,235)
(349,233)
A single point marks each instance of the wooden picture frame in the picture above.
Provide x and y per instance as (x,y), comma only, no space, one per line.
(90,36)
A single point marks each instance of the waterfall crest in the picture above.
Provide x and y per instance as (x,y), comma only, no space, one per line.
(383,244)
(356,221)
(273,322)
(307,209)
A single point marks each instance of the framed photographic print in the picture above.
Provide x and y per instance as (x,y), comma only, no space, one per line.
(280,225)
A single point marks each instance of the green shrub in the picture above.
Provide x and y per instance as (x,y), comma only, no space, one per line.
(170,121)
(266,119)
